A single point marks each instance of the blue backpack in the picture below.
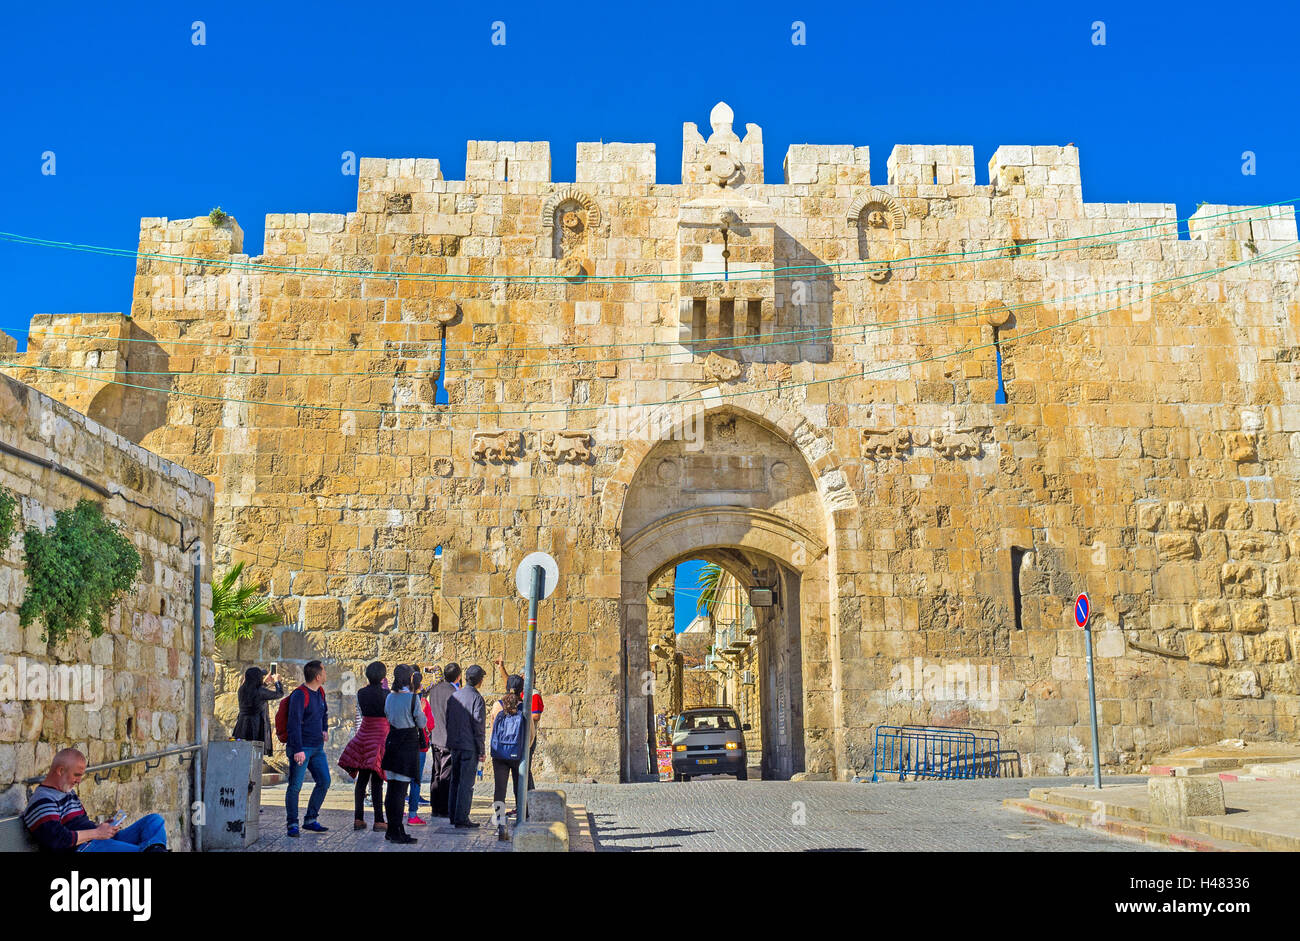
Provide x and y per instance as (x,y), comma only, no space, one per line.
(508,735)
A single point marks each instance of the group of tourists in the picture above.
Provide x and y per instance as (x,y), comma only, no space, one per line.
(400,729)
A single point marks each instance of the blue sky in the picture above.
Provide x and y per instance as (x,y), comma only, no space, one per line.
(143,122)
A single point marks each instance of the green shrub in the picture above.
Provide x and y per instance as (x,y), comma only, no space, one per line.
(76,572)
(218,216)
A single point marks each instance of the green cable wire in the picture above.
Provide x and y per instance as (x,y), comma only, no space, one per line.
(1209,273)
(810,334)
(538,279)
(822,334)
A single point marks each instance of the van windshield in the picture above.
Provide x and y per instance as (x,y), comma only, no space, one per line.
(708,722)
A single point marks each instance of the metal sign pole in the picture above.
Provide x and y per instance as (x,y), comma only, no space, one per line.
(1092,704)
(521,794)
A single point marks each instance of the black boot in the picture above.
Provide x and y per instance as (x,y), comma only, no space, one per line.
(397,833)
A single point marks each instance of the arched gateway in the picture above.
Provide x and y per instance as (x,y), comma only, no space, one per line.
(740,492)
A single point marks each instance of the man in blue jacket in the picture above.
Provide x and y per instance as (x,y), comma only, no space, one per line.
(308,723)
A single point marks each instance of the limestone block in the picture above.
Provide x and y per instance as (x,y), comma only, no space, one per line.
(548,837)
(345,645)
(371,614)
(1211,616)
(1174,799)
(1110,643)
(546,805)
(1149,516)
(1242,684)
(1269,647)
(1229,514)
(1186,516)
(1176,546)
(1283,678)
(1242,579)
(300,645)
(1250,617)
(1206,648)
(321,614)
(1263,547)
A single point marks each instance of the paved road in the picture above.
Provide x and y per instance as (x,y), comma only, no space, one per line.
(725,815)
(437,836)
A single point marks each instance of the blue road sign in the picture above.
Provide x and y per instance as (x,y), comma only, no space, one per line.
(1082,609)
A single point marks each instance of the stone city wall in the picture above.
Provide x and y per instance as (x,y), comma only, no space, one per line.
(129,691)
(761,368)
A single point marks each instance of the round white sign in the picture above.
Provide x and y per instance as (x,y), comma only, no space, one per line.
(524,574)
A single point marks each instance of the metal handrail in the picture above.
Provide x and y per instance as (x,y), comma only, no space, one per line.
(97,770)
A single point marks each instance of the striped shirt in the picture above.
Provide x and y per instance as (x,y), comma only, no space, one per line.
(52,816)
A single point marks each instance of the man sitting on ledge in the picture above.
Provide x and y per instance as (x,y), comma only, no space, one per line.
(55,817)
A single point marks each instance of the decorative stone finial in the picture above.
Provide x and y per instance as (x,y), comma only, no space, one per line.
(721,118)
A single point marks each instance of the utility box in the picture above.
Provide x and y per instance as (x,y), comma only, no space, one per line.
(232,794)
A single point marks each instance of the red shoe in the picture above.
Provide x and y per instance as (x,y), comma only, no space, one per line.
(415,821)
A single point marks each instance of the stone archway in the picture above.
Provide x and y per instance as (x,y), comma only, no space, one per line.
(791,558)
(747,494)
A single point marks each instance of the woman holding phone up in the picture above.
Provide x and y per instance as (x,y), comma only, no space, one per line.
(254,722)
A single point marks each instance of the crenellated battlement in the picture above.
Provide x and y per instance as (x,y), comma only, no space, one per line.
(725,218)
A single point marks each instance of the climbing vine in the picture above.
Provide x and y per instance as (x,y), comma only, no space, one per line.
(8,517)
(76,572)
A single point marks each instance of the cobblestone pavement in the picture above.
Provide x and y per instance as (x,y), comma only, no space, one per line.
(336,813)
(725,815)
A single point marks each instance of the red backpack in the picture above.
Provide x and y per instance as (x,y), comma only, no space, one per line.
(282,714)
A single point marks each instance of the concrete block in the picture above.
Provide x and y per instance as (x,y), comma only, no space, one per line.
(1175,799)
(548,837)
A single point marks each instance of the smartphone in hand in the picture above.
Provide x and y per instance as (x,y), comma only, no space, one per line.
(118,819)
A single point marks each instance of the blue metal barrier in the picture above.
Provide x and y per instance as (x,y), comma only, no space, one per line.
(939,753)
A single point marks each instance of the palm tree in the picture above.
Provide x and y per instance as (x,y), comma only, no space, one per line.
(238,609)
(709,578)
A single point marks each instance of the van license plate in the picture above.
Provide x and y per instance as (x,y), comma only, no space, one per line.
(707,761)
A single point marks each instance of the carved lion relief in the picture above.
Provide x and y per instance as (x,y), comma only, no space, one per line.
(567,447)
(886,443)
(498,447)
(950,441)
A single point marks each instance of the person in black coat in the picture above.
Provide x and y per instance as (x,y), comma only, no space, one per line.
(254,722)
